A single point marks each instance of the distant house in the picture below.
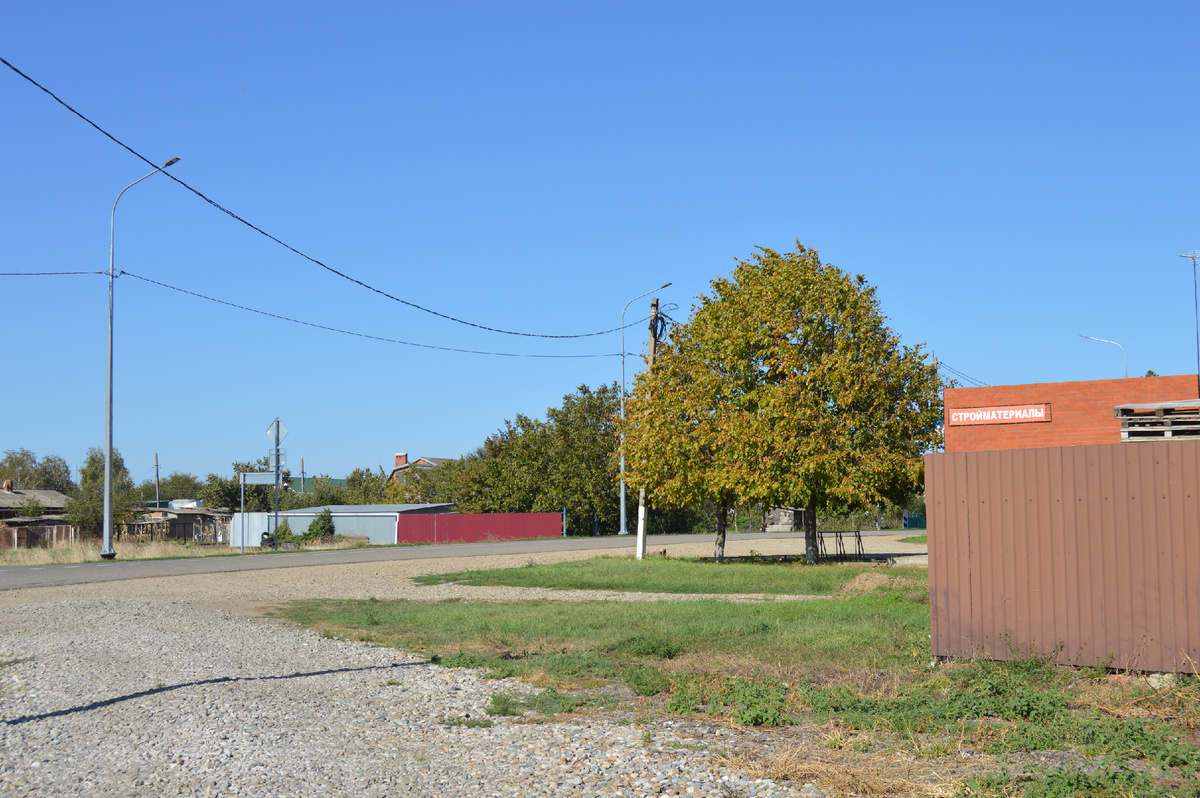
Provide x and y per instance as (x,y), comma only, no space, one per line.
(12,500)
(20,531)
(403,465)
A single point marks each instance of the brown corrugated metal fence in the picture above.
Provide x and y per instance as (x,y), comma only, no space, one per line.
(1087,553)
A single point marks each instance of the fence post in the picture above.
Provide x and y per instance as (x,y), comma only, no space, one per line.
(564,522)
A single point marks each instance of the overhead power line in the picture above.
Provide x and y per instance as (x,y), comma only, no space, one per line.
(284,244)
(320,326)
(327,328)
(46,274)
(967,377)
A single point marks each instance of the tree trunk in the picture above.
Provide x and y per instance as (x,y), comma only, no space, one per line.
(722,511)
(810,533)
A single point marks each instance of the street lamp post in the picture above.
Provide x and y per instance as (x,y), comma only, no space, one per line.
(1114,343)
(1196,301)
(624,521)
(107,551)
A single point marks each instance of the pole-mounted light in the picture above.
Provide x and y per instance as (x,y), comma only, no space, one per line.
(106,550)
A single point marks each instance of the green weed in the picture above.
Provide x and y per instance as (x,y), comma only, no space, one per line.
(646,680)
(470,723)
(547,702)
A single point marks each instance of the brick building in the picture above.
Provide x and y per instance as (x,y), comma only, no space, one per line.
(1051,413)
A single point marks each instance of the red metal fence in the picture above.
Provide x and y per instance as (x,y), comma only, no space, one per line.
(475,527)
(1090,554)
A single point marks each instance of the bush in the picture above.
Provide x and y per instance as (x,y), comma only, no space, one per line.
(321,526)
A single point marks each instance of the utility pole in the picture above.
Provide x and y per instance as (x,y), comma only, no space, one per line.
(641,533)
(156,498)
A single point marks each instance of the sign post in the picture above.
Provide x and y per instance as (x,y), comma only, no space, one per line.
(276,432)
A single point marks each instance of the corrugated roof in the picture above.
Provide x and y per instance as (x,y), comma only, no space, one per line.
(49,499)
(371,508)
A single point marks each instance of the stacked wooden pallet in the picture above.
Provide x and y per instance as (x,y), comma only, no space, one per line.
(1155,421)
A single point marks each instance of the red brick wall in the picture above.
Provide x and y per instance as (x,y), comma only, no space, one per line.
(1081,412)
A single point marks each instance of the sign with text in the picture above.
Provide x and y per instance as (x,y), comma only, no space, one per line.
(1006,414)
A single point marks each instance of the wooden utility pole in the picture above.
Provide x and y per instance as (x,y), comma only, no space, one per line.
(641,533)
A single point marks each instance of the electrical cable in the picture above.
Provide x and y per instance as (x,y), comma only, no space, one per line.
(968,377)
(287,246)
(350,332)
(42,274)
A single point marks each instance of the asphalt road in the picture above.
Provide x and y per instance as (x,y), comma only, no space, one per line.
(28,576)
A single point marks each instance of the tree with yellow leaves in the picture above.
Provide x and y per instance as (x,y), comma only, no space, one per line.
(786,387)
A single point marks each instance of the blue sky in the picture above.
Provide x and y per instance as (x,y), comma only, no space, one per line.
(1009,175)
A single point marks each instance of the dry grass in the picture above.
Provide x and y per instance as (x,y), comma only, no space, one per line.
(89,551)
(846,777)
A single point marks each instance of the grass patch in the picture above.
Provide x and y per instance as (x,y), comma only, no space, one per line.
(657,575)
(920,540)
(855,661)
(470,723)
(547,702)
(884,629)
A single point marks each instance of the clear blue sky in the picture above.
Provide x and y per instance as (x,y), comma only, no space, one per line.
(1010,176)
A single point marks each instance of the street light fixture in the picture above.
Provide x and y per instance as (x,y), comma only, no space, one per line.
(106,551)
(624,521)
(1196,301)
(1114,343)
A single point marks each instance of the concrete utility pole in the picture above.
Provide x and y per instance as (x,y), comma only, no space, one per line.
(624,521)
(641,533)
(157,498)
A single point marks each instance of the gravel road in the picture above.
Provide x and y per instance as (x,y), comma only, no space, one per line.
(177,687)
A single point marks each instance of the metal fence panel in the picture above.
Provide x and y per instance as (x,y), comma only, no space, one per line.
(1089,554)
(476,527)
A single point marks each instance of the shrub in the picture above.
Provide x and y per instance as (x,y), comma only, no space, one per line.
(321,526)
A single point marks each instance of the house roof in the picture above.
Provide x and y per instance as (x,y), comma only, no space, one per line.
(367,509)
(420,462)
(51,500)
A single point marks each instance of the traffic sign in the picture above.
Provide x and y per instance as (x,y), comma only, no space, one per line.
(277,431)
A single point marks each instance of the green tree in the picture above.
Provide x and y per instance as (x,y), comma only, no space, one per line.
(321,526)
(176,486)
(219,491)
(445,482)
(18,465)
(33,509)
(53,473)
(86,508)
(364,486)
(583,465)
(569,460)
(320,492)
(785,387)
(29,473)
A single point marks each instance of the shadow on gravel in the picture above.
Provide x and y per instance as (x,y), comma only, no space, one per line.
(220,680)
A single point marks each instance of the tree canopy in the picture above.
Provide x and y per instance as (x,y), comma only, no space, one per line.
(529,465)
(787,387)
(178,485)
(30,473)
(86,507)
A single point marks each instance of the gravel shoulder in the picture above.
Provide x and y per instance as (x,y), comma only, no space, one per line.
(178,687)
